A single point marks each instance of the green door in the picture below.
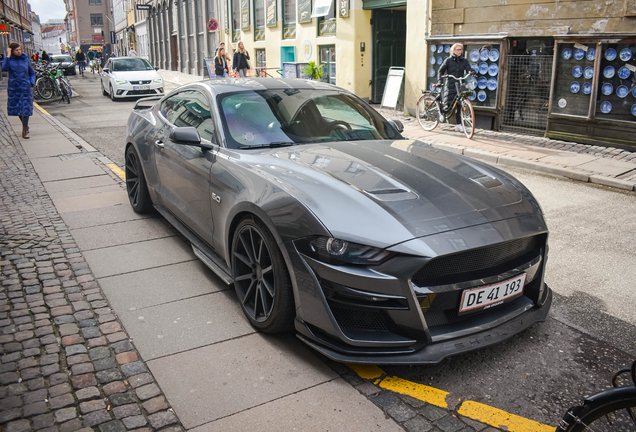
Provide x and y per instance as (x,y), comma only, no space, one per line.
(389,46)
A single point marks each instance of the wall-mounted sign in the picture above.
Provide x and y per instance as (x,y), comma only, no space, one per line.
(245,14)
(304,11)
(327,28)
(307,49)
(213,25)
(343,8)
(143,7)
(270,6)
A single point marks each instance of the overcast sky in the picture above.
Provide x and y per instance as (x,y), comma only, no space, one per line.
(48,9)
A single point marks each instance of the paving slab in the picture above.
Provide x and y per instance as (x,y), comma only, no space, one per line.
(132,257)
(165,284)
(332,406)
(120,233)
(86,184)
(94,200)
(41,148)
(101,216)
(531,152)
(51,169)
(247,371)
(110,186)
(609,167)
(185,325)
(569,159)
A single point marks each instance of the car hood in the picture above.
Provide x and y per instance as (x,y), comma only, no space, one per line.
(385,192)
(136,75)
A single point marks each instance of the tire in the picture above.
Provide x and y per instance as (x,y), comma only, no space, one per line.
(428,112)
(68,87)
(614,410)
(103,89)
(136,185)
(112,93)
(468,118)
(65,95)
(261,280)
(44,88)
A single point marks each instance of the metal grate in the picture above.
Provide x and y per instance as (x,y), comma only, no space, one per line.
(440,270)
(358,318)
(527,94)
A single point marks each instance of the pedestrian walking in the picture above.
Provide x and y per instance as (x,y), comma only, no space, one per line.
(458,66)
(221,45)
(221,63)
(45,56)
(240,62)
(80,59)
(20,86)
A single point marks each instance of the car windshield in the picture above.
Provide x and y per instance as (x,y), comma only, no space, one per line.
(61,59)
(299,116)
(131,64)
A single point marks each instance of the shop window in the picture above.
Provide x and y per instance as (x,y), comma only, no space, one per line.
(235,10)
(97,20)
(574,79)
(327,23)
(94,2)
(289,19)
(261,62)
(616,96)
(259,20)
(328,60)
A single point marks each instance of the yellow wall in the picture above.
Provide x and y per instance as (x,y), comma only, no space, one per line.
(416,53)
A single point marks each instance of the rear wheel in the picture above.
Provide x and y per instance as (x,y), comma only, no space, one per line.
(468,118)
(428,112)
(65,94)
(44,87)
(614,412)
(136,186)
(261,280)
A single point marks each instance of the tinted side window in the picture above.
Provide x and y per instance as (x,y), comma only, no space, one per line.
(192,109)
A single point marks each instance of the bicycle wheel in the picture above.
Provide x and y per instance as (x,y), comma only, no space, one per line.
(68,87)
(613,410)
(468,118)
(64,90)
(427,112)
(44,87)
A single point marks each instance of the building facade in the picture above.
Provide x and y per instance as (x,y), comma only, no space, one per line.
(89,24)
(37,32)
(54,37)
(15,18)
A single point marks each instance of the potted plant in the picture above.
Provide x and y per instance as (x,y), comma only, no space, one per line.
(315,72)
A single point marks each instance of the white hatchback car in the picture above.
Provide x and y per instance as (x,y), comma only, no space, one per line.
(130,76)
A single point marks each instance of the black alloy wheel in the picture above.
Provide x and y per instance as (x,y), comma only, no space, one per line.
(261,280)
(136,186)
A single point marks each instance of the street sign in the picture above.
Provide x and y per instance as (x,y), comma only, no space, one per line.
(143,7)
(62,45)
(213,25)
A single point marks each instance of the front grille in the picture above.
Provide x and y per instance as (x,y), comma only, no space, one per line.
(140,82)
(349,318)
(141,92)
(477,263)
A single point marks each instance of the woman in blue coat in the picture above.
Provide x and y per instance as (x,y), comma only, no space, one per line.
(20,87)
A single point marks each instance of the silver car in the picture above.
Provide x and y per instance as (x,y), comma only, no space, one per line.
(374,248)
(124,77)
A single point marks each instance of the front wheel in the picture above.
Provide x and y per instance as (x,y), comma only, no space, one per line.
(112,93)
(136,185)
(614,410)
(65,93)
(428,112)
(44,88)
(468,118)
(261,280)
(101,83)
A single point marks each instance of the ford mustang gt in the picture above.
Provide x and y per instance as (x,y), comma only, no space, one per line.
(326,220)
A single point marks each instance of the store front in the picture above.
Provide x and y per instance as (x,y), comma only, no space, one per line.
(593,98)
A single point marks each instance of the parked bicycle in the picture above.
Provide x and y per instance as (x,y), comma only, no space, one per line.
(429,108)
(51,81)
(612,410)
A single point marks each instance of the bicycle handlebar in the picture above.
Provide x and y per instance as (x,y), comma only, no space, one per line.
(459,79)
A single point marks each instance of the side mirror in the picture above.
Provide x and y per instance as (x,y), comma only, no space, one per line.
(105,70)
(185,135)
(156,68)
(398,125)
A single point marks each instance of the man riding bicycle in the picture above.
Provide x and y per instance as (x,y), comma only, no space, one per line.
(458,66)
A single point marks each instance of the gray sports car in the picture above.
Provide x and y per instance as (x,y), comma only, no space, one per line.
(375,248)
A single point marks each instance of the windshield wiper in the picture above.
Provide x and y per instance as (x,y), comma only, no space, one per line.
(270,145)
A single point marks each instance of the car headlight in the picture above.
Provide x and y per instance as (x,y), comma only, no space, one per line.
(120,81)
(336,251)
(158,80)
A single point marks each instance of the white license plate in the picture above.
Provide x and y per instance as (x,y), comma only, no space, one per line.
(491,295)
(142,87)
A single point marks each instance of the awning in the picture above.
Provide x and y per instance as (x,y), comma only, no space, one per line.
(469,37)
(381,4)
(321,8)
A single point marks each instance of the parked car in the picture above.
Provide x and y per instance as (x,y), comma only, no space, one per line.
(124,77)
(68,64)
(375,248)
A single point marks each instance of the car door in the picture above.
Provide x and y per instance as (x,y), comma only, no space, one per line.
(104,77)
(183,170)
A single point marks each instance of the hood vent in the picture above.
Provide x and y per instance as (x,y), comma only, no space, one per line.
(386,191)
(391,194)
(487,181)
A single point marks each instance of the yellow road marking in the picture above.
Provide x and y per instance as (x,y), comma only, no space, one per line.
(367,371)
(41,109)
(501,419)
(418,391)
(114,168)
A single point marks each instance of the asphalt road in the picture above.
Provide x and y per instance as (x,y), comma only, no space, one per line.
(590,332)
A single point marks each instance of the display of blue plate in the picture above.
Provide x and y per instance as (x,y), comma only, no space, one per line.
(432,73)
(432,60)
(447,48)
(624,73)
(591,54)
(634,92)
(483,68)
(493,55)
(474,67)
(431,86)
(433,47)
(440,48)
(440,60)
(482,82)
(626,54)
(606,107)
(610,54)
(622,91)
(492,83)
(472,96)
(566,53)
(474,55)
(577,71)
(634,110)
(483,54)
(587,88)
(481,95)
(493,69)
(575,87)
(472,83)
(609,72)
(607,89)
(579,54)
(588,73)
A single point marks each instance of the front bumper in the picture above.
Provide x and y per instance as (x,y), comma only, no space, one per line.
(131,90)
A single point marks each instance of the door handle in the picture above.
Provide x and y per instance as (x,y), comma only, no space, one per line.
(158,143)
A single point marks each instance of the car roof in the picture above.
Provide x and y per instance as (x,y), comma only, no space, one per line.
(230,85)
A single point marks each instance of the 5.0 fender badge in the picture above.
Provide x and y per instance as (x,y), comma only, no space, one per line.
(216,198)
